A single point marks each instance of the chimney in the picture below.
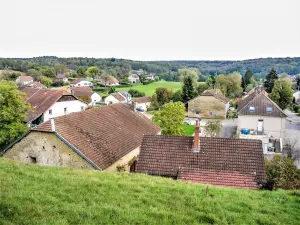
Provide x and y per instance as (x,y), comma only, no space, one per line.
(52,125)
(134,105)
(197,138)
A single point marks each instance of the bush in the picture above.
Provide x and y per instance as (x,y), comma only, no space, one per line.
(148,82)
(283,173)
(136,93)
(98,89)
(124,85)
(58,84)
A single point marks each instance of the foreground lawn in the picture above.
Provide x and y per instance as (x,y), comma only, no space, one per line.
(149,89)
(31,194)
(188,129)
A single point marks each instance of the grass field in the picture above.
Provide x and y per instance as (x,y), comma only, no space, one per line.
(149,89)
(188,129)
(31,194)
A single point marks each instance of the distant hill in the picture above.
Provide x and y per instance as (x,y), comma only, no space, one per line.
(166,69)
(31,194)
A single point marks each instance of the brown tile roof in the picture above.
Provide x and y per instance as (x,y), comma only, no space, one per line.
(260,102)
(118,96)
(167,155)
(25,78)
(113,80)
(103,134)
(143,99)
(218,178)
(81,91)
(40,100)
(37,84)
(216,94)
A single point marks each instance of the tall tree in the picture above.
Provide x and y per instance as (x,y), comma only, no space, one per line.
(60,68)
(282,93)
(248,77)
(201,88)
(188,89)
(80,70)
(270,80)
(192,73)
(163,95)
(177,96)
(12,113)
(213,128)
(93,71)
(230,84)
(154,102)
(170,118)
(243,84)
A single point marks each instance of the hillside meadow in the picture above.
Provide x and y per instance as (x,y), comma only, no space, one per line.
(32,194)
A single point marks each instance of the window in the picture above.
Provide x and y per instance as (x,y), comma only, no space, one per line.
(210,113)
(269,109)
(251,108)
(110,102)
(65,111)
(260,125)
(50,112)
(82,108)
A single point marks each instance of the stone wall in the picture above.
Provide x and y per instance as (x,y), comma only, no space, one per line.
(208,106)
(46,149)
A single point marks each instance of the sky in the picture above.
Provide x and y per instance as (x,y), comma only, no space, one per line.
(150,29)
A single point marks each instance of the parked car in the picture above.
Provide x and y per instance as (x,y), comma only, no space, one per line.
(139,110)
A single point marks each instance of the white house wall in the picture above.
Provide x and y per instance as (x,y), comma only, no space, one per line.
(83,83)
(274,126)
(58,108)
(111,100)
(95,98)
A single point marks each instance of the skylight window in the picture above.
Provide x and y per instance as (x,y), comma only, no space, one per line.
(269,109)
(251,108)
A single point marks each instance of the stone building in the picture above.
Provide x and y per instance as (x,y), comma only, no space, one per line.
(103,138)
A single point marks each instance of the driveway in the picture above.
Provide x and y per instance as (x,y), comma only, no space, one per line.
(229,127)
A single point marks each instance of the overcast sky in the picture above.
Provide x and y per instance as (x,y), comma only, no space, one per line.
(150,29)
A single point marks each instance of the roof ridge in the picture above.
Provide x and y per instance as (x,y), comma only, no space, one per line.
(256,94)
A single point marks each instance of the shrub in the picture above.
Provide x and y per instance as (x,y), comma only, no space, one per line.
(136,93)
(283,173)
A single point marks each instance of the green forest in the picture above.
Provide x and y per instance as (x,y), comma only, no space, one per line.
(167,70)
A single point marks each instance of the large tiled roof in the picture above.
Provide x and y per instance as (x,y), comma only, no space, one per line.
(103,134)
(216,94)
(81,91)
(143,99)
(260,102)
(173,155)
(40,100)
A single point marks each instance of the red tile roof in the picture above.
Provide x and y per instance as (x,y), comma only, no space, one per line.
(40,100)
(81,91)
(25,78)
(167,155)
(103,134)
(218,178)
(143,99)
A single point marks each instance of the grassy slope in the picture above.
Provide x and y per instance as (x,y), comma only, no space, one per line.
(149,89)
(47,195)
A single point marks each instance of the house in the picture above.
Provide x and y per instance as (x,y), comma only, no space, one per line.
(118,97)
(36,84)
(86,94)
(134,78)
(46,104)
(127,96)
(24,80)
(150,76)
(101,138)
(261,118)
(80,82)
(61,77)
(143,103)
(296,96)
(211,104)
(216,161)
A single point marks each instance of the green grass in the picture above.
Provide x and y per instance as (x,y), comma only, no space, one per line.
(31,194)
(188,129)
(149,89)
